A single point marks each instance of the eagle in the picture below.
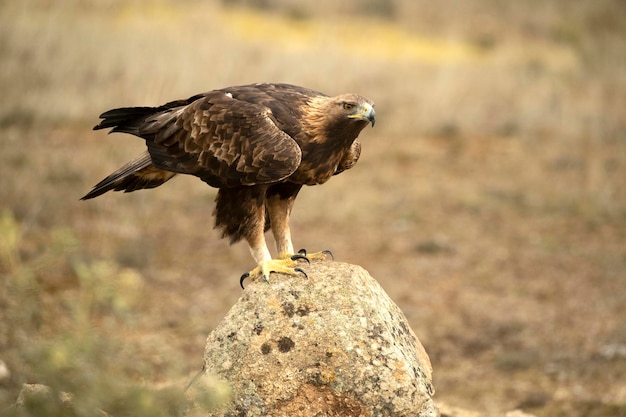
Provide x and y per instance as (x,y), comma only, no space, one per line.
(259,144)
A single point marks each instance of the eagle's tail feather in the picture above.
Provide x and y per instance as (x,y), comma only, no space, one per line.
(130,119)
(125,119)
(135,175)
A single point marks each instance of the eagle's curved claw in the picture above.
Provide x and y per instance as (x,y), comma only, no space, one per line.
(317,255)
(300,255)
(247,275)
(243,277)
(301,271)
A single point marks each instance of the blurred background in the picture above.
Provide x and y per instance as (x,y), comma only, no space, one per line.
(489,201)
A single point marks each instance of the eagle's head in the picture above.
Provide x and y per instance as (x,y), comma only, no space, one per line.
(340,117)
(356,108)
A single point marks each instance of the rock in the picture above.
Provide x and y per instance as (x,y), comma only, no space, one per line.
(330,345)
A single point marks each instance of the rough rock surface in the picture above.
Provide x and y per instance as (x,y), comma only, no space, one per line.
(330,345)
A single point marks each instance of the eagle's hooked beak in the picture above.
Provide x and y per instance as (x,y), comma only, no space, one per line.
(367,114)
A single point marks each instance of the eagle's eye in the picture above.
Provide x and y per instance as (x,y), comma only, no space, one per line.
(348,106)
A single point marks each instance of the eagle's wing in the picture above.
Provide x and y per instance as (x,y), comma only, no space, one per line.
(224,141)
(350,158)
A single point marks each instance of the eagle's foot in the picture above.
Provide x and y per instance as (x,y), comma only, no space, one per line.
(323,255)
(282,266)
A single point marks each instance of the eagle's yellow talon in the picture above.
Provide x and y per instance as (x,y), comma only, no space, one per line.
(282,266)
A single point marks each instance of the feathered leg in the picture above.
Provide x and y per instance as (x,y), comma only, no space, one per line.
(279,202)
(240,213)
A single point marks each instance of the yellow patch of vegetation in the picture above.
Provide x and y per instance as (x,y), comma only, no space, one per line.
(360,37)
(367,38)
(381,40)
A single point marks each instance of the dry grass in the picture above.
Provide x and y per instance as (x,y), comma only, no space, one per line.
(489,200)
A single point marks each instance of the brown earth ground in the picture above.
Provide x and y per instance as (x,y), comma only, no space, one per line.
(489,201)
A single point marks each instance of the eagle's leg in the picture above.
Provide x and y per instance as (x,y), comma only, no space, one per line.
(286,263)
(279,202)
(279,211)
(240,214)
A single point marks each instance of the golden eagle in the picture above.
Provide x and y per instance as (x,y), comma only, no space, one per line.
(259,144)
